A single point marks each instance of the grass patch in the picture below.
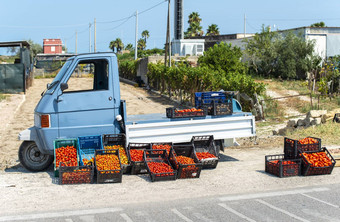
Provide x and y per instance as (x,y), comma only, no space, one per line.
(2,97)
(328,132)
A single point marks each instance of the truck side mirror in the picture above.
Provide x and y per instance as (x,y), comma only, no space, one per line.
(63,86)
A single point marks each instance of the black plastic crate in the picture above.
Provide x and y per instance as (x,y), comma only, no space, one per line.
(75,175)
(292,147)
(158,156)
(173,113)
(159,145)
(219,109)
(185,170)
(279,166)
(63,143)
(111,175)
(118,140)
(138,167)
(87,146)
(308,169)
(204,144)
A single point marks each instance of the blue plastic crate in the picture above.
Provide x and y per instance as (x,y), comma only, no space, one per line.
(207,98)
(87,146)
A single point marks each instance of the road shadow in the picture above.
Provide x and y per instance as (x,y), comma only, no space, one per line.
(264,172)
(226,158)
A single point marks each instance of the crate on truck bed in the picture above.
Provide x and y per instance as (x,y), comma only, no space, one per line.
(156,159)
(87,148)
(216,103)
(205,150)
(174,113)
(118,141)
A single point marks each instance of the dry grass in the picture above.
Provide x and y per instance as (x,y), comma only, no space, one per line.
(329,133)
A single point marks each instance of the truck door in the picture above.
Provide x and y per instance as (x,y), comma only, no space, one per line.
(88,106)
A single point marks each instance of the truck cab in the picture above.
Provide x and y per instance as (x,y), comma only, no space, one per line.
(66,110)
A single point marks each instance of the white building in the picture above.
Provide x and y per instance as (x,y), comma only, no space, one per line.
(184,47)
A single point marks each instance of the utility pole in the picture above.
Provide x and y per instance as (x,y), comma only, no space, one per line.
(167,42)
(89,37)
(95,28)
(169,25)
(244,26)
(76,40)
(136,35)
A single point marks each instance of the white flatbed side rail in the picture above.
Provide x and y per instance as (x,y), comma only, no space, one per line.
(182,131)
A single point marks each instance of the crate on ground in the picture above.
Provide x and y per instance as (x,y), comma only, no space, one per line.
(118,141)
(205,150)
(207,98)
(174,113)
(281,167)
(292,147)
(159,158)
(185,170)
(108,166)
(308,168)
(87,146)
(163,146)
(76,174)
(138,166)
(59,143)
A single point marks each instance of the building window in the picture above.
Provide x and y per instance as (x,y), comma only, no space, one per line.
(52,48)
(199,48)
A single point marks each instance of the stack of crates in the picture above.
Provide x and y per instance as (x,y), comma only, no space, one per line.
(217,103)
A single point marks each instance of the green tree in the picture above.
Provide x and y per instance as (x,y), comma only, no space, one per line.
(35,48)
(145,35)
(261,52)
(141,44)
(195,28)
(212,30)
(116,44)
(318,24)
(129,47)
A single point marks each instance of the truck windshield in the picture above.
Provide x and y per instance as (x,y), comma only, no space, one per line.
(51,87)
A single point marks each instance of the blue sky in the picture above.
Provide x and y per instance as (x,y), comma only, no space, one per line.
(39,19)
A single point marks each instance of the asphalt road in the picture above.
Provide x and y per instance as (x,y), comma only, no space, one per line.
(301,204)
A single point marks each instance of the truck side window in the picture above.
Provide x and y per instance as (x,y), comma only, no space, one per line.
(89,75)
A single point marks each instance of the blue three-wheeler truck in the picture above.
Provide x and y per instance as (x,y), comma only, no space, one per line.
(67,112)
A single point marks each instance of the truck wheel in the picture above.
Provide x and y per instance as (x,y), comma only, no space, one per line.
(32,159)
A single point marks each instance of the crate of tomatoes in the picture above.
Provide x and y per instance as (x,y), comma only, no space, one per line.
(292,147)
(281,167)
(172,112)
(162,146)
(317,162)
(184,160)
(118,141)
(65,151)
(87,146)
(136,154)
(205,150)
(158,165)
(108,166)
(75,174)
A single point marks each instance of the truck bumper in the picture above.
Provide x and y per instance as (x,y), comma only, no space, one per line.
(31,134)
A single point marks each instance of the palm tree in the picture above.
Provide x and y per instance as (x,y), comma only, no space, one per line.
(145,35)
(195,28)
(116,44)
(129,47)
(119,44)
(212,30)
(141,44)
(112,45)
